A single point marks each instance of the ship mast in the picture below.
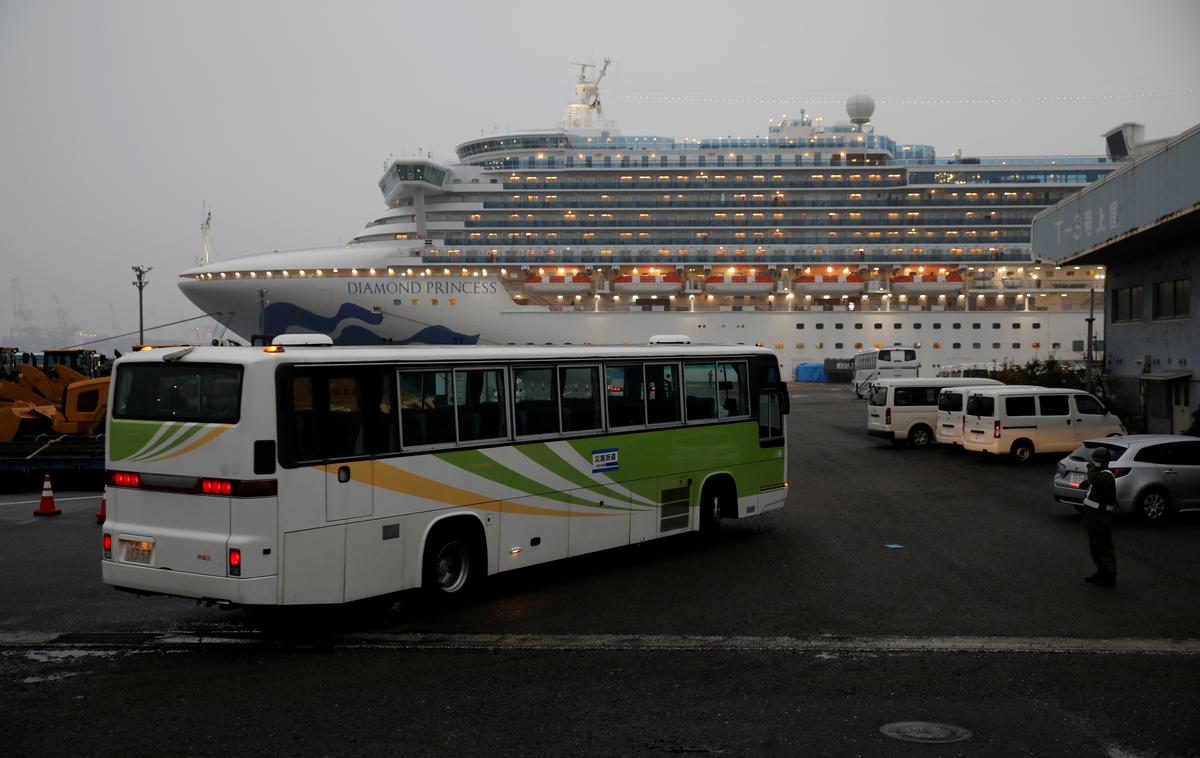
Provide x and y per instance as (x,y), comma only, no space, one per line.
(587,98)
(207,255)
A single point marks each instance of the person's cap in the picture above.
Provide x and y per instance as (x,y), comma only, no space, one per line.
(1101,454)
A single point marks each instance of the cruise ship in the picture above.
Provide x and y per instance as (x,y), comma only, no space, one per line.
(818,241)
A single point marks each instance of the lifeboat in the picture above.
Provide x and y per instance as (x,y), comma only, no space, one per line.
(559,284)
(926,283)
(829,284)
(739,284)
(647,284)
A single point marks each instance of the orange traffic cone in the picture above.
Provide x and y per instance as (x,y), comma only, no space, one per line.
(102,514)
(47,506)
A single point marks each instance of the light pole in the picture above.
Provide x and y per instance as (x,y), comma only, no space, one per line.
(1091,319)
(140,272)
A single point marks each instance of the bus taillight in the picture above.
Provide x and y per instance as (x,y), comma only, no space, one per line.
(996,430)
(216,486)
(235,562)
(108,545)
(887,417)
(124,479)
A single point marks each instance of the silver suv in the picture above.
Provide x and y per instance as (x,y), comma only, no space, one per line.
(1157,474)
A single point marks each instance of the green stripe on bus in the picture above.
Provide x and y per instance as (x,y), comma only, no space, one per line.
(475,462)
(551,461)
(128,437)
(172,439)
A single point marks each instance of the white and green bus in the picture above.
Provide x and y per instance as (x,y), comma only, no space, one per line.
(303,474)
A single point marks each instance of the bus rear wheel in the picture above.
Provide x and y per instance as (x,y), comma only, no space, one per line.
(452,564)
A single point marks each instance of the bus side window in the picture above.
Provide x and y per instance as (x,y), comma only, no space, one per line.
(580,401)
(480,404)
(535,401)
(303,420)
(384,417)
(626,403)
(731,389)
(343,430)
(426,408)
(662,393)
(700,386)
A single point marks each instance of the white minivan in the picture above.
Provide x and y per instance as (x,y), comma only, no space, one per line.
(1022,421)
(905,410)
(951,413)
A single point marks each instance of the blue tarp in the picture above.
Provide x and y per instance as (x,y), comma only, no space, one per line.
(811,372)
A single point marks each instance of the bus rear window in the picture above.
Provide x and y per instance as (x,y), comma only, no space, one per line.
(207,393)
(879,396)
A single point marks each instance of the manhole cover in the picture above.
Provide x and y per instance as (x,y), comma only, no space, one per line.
(925,731)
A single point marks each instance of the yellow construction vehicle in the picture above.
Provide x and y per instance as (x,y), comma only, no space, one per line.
(60,399)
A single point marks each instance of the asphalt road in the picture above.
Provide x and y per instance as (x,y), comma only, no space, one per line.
(897,585)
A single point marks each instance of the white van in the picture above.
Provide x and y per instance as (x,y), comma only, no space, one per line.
(1022,421)
(905,410)
(951,413)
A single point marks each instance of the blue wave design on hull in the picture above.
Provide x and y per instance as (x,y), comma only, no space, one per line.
(279,317)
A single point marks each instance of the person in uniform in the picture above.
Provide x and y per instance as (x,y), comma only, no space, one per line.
(1098,509)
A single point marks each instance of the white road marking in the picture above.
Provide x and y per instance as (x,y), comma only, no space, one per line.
(822,645)
(57,500)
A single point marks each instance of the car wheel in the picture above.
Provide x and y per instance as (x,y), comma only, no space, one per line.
(452,565)
(1154,506)
(920,436)
(1022,451)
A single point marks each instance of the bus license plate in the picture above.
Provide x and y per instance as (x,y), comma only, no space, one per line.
(138,552)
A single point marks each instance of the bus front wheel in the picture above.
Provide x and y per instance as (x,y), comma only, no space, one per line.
(453,563)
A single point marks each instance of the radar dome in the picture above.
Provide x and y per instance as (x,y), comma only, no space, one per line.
(860,108)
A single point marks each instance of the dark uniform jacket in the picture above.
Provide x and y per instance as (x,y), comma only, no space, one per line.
(1102,486)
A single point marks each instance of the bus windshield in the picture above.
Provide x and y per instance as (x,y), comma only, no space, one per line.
(193,392)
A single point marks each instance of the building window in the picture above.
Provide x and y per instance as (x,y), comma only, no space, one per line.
(799,326)
(1172,299)
(1037,325)
(1016,325)
(956,325)
(1127,304)
(878,325)
(957,346)
(820,325)
(1016,346)
(976,345)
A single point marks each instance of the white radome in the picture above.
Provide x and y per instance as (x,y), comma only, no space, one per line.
(860,108)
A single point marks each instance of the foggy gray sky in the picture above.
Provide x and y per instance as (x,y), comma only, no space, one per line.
(119,119)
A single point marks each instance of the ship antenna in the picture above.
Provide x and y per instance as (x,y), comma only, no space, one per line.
(207,255)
